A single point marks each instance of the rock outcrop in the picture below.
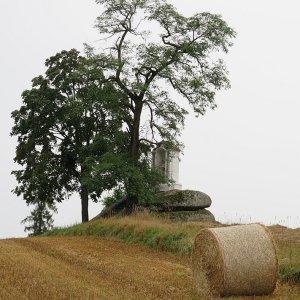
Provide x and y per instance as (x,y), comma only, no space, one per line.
(183,205)
(201,215)
(177,200)
(180,205)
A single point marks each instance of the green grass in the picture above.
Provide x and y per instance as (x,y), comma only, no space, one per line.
(289,274)
(289,261)
(142,229)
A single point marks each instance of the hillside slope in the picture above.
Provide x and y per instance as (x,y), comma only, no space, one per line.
(96,268)
(89,268)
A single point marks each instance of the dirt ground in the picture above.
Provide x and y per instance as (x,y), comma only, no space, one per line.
(95,268)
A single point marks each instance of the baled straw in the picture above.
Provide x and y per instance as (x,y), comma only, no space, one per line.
(235,260)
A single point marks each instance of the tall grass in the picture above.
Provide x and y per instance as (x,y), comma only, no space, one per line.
(141,228)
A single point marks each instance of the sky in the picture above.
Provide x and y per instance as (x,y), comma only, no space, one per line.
(244,155)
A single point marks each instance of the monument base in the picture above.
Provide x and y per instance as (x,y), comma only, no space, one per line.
(202,215)
(166,188)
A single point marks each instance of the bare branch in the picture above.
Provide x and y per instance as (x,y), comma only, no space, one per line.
(147,141)
(151,118)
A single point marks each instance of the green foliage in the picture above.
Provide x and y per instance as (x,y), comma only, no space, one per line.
(68,117)
(116,196)
(70,137)
(182,55)
(120,174)
(290,274)
(141,64)
(40,221)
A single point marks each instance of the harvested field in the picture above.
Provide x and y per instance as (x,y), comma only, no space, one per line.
(89,268)
(96,268)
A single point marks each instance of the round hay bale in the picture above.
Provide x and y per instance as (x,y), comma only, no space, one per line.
(235,260)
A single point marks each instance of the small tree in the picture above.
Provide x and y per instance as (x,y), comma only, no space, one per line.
(68,118)
(40,220)
(141,65)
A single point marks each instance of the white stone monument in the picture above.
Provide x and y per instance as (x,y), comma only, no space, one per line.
(168,162)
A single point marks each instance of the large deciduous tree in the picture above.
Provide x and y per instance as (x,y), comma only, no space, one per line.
(68,117)
(178,52)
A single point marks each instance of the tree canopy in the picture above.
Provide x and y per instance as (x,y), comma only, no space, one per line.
(90,123)
(67,117)
(180,52)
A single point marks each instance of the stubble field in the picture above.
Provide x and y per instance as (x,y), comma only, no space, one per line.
(98,268)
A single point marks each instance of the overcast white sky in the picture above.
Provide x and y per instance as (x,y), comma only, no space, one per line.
(245,154)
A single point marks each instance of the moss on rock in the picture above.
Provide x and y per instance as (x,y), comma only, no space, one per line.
(181,200)
(203,215)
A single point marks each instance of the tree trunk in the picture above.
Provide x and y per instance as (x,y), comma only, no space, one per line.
(84,195)
(135,134)
(132,198)
(130,203)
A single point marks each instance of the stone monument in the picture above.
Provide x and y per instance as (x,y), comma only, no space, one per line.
(168,162)
(178,204)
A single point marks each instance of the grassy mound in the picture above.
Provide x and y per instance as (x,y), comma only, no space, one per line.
(141,228)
